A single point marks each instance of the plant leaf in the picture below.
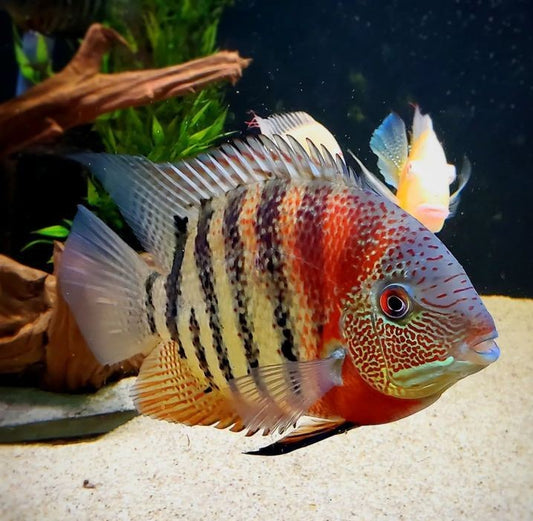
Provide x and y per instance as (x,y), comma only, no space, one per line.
(158,135)
(92,194)
(35,242)
(41,53)
(56,231)
(200,113)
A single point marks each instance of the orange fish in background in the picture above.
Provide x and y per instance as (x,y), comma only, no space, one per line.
(418,171)
(284,290)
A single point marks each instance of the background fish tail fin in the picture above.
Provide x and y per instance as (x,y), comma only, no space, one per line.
(108,288)
(389,143)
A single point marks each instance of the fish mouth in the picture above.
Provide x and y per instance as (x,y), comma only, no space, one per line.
(435,377)
(483,353)
(432,215)
(436,211)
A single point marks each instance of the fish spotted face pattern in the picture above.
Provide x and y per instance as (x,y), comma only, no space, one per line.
(414,324)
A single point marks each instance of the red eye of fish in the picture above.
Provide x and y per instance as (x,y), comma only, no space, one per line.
(394,301)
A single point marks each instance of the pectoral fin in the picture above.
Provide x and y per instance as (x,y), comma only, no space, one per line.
(272,398)
(304,436)
(462,178)
(389,143)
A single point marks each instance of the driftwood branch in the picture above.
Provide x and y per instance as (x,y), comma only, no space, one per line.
(39,338)
(80,92)
(40,343)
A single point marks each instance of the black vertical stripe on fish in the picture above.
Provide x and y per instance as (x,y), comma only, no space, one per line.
(270,247)
(173,283)
(204,264)
(234,256)
(281,314)
(149,302)
(199,350)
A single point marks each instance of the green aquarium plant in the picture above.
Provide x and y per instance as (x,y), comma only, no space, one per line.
(162,33)
(49,234)
(33,55)
(172,32)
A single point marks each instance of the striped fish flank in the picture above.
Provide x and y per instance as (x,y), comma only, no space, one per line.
(279,293)
(230,257)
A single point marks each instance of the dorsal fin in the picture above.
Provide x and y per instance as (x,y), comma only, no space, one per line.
(146,197)
(371,182)
(301,127)
(421,123)
(152,197)
(281,123)
(389,143)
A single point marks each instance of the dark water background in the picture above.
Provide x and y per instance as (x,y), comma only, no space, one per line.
(467,63)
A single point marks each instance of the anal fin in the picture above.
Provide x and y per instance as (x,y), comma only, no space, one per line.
(270,398)
(167,389)
(305,435)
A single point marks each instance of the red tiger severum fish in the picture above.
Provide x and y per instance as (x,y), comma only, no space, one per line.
(284,290)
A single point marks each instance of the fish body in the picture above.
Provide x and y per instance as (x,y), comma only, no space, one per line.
(284,289)
(418,170)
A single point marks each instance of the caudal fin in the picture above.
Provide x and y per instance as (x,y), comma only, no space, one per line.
(108,288)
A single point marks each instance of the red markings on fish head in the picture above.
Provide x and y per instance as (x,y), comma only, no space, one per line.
(412,313)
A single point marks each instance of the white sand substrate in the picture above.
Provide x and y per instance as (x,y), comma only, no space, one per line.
(468,457)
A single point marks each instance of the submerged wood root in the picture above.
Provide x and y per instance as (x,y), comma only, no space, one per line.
(40,343)
(80,93)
